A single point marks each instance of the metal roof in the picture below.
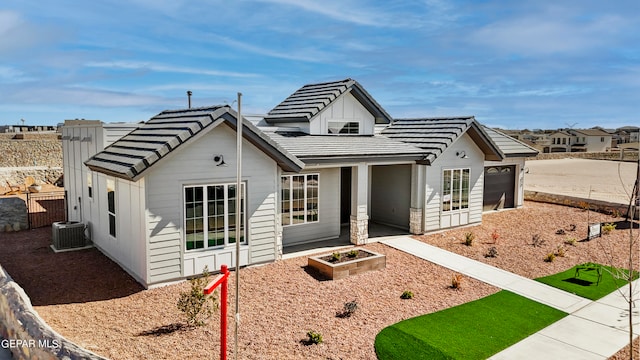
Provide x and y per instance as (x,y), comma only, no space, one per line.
(341,148)
(311,99)
(130,156)
(509,146)
(435,135)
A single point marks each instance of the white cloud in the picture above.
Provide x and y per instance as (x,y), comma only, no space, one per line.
(138,65)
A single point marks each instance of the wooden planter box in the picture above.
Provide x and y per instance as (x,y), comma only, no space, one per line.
(340,270)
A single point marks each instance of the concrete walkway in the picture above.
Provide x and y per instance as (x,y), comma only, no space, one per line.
(593,330)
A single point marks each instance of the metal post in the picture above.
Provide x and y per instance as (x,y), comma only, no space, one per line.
(189,98)
(224,294)
(238,213)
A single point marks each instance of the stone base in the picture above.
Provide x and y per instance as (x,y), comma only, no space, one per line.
(359,230)
(415,221)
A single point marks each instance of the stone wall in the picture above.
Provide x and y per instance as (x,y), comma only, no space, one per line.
(25,334)
(13,214)
(595,205)
(42,174)
(37,149)
(628,156)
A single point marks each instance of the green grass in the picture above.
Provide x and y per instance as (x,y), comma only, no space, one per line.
(585,284)
(475,330)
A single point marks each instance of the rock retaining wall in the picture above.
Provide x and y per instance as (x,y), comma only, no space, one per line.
(616,156)
(38,149)
(13,214)
(25,334)
(595,205)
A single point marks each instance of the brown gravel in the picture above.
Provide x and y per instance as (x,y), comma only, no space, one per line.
(88,299)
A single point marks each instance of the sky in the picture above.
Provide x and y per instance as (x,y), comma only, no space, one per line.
(511,64)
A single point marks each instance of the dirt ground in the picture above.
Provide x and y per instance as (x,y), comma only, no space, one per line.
(589,179)
(91,301)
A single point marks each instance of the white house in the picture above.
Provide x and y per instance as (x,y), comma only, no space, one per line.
(160,200)
(583,140)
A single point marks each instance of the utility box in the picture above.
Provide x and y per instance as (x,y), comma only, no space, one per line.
(68,235)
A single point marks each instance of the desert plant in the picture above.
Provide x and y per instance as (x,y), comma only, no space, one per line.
(194,304)
(335,256)
(572,227)
(406,295)
(560,232)
(560,251)
(537,241)
(492,252)
(348,309)
(495,236)
(456,281)
(571,241)
(608,228)
(314,337)
(584,205)
(468,238)
(550,257)
(353,253)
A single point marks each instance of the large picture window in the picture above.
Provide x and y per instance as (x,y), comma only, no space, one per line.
(455,189)
(210,215)
(299,198)
(111,206)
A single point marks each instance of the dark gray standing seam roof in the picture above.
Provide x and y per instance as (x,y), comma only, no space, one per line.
(134,153)
(315,149)
(509,146)
(435,135)
(310,99)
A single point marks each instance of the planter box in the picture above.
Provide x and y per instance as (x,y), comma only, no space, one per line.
(340,270)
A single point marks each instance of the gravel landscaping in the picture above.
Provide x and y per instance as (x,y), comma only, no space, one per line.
(89,300)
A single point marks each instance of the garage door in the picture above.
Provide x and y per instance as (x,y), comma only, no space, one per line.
(499,187)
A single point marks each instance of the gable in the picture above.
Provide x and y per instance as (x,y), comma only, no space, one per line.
(346,109)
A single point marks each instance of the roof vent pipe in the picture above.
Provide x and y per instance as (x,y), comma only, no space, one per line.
(189,97)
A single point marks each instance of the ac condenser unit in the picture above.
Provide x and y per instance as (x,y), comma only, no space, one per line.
(68,235)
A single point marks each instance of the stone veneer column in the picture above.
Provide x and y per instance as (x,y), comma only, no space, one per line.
(359,229)
(415,221)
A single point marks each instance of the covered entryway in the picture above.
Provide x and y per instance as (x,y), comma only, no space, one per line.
(391,195)
(499,187)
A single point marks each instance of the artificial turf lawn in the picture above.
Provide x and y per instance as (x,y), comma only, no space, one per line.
(585,284)
(474,330)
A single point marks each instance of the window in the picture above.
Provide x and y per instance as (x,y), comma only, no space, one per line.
(455,189)
(299,199)
(343,127)
(564,141)
(210,216)
(602,139)
(90,184)
(111,206)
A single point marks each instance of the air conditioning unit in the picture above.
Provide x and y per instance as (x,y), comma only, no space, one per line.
(68,235)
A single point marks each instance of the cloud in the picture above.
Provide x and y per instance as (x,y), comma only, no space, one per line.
(16,34)
(139,65)
(340,10)
(12,75)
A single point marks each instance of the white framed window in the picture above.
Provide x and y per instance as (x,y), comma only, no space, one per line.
(210,216)
(343,127)
(299,198)
(455,189)
(111,206)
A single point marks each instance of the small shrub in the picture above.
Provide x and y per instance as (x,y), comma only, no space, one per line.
(194,304)
(348,309)
(495,236)
(335,256)
(550,257)
(493,252)
(468,238)
(608,228)
(314,337)
(616,213)
(456,281)
(406,295)
(560,232)
(584,205)
(352,253)
(572,227)
(537,241)
(571,241)
(560,251)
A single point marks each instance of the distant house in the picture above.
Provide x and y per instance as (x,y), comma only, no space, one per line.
(159,197)
(580,140)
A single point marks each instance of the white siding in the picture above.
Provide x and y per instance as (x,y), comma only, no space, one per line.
(345,108)
(434,218)
(391,194)
(328,225)
(194,165)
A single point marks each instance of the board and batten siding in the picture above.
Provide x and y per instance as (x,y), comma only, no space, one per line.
(433,187)
(391,194)
(194,165)
(328,224)
(344,108)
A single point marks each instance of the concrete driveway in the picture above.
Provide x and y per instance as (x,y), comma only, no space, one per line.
(590,179)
